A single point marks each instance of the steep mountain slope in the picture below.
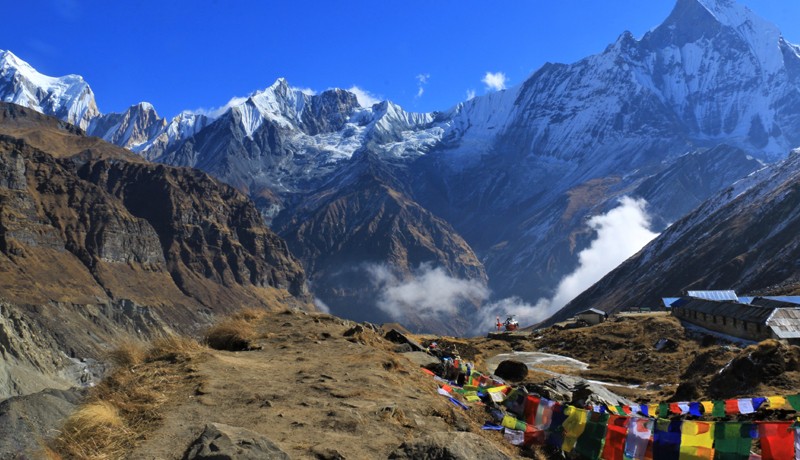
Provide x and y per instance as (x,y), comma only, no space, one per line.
(364,219)
(744,238)
(514,173)
(92,243)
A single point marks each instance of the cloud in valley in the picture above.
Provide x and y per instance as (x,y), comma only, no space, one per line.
(494,81)
(430,293)
(621,233)
(365,98)
(321,306)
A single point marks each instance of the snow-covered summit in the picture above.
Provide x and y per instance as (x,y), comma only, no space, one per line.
(69,97)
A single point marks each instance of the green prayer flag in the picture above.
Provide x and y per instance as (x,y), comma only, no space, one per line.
(732,441)
(520,425)
(590,443)
(719,409)
(663,410)
(794,401)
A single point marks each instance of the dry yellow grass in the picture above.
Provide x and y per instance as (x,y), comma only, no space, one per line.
(251,314)
(231,335)
(95,431)
(172,347)
(127,354)
(129,401)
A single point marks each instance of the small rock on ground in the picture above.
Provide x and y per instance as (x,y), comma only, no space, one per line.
(225,442)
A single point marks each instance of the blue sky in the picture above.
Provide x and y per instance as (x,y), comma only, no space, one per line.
(424,55)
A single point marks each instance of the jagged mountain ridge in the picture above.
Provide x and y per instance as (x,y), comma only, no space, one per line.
(516,172)
(98,246)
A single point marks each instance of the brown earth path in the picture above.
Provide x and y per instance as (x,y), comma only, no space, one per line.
(314,393)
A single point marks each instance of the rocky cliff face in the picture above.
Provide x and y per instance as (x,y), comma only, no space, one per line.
(366,219)
(89,228)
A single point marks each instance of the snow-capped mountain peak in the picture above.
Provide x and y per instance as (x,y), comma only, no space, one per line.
(69,97)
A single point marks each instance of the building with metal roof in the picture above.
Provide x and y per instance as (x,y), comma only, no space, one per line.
(592,316)
(714,295)
(762,319)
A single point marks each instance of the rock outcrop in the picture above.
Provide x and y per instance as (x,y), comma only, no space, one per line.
(225,442)
(95,241)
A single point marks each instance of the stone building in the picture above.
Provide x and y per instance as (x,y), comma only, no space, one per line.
(761,319)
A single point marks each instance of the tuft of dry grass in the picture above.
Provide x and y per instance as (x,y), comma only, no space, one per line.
(231,335)
(172,347)
(127,354)
(251,314)
(128,402)
(94,431)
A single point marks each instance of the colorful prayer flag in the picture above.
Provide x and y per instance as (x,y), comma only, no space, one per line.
(794,401)
(639,432)
(745,406)
(696,440)
(573,427)
(544,414)
(719,409)
(590,443)
(531,406)
(733,441)
(776,402)
(708,406)
(616,434)
(777,440)
(731,406)
(667,440)
(515,437)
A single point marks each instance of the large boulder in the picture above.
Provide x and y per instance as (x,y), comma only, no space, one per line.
(511,370)
(27,422)
(448,446)
(576,391)
(225,442)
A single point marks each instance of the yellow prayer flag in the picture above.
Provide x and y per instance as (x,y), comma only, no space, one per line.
(776,402)
(708,406)
(573,427)
(509,422)
(652,409)
(495,389)
(696,440)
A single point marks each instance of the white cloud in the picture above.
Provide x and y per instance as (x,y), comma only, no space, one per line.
(494,81)
(215,112)
(422,80)
(470,94)
(365,98)
(430,293)
(621,233)
(321,306)
(525,313)
(306,91)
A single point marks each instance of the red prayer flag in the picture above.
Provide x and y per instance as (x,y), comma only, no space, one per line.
(531,404)
(627,410)
(731,406)
(534,435)
(777,440)
(427,371)
(674,408)
(616,434)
